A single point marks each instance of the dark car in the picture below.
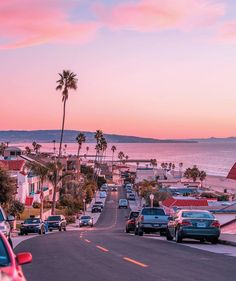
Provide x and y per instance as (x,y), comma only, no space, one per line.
(85,221)
(96,208)
(32,225)
(5,224)
(99,203)
(130,223)
(56,222)
(195,224)
(10,265)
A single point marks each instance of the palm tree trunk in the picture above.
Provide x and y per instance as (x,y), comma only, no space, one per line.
(112,159)
(54,198)
(41,201)
(62,128)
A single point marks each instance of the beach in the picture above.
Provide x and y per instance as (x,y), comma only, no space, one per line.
(219,183)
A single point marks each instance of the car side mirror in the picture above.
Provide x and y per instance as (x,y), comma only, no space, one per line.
(24,258)
(10,218)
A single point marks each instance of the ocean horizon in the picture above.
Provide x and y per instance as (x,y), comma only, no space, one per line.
(214,158)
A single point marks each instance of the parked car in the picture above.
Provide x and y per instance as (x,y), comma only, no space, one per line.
(195,224)
(85,221)
(32,225)
(10,265)
(104,187)
(151,220)
(96,208)
(56,222)
(5,224)
(131,196)
(99,203)
(130,223)
(123,203)
(102,194)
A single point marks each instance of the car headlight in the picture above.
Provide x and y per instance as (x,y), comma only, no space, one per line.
(90,220)
(3,229)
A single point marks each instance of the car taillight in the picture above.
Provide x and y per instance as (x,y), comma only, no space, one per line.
(215,224)
(185,223)
(142,218)
(132,221)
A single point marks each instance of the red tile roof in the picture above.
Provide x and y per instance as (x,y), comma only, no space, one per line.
(232,173)
(171,202)
(12,165)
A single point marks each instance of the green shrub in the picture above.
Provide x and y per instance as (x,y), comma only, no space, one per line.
(70,219)
(16,208)
(36,205)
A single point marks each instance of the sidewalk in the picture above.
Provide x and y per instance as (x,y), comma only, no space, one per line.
(228,239)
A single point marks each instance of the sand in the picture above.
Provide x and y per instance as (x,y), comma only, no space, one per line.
(219,183)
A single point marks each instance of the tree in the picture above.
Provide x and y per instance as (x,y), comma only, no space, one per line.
(16,208)
(194,173)
(66,82)
(80,140)
(7,187)
(3,146)
(121,155)
(202,176)
(113,149)
(54,146)
(153,163)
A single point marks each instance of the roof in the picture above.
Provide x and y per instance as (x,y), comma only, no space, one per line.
(174,202)
(12,165)
(12,148)
(232,173)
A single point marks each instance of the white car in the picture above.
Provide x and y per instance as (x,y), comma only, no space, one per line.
(123,203)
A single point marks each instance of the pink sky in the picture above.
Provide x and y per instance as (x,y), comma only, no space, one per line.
(150,68)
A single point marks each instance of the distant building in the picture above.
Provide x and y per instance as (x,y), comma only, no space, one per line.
(144,173)
(11,152)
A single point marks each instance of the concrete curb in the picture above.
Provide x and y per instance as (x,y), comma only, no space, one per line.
(227,242)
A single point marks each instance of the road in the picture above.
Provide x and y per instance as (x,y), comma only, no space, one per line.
(107,253)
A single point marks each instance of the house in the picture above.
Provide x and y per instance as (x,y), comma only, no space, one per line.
(11,152)
(144,173)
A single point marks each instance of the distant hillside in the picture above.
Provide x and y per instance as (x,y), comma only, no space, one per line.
(43,136)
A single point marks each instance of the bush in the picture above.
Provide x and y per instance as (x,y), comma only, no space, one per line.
(16,208)
(36,205)
(70,219)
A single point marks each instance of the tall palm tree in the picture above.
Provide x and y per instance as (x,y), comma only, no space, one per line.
(113,149)
(81,138)
(54,146)
(67,81)
(121,155)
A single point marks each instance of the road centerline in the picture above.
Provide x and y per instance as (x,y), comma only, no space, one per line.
(102,248)
(135,262)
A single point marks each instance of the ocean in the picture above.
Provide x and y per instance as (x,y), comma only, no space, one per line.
(214,158)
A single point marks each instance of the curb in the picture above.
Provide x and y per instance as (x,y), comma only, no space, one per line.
(227,242)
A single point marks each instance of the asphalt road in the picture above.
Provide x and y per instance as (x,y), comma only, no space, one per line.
(107,253)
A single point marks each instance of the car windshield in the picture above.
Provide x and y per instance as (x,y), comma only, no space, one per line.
(28,221)
(4,257)
(123,201)
(134,215)
(197,215)
(153,212)
(98,203)
(95,205)
(85,218)
(54,218)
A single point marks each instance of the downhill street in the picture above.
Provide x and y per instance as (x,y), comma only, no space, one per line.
(107,253)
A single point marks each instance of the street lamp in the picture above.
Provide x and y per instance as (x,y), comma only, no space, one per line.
(84,205)
(151,198)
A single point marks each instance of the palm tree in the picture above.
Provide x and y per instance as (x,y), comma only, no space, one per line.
(81,138)
(42,172)
(180,169)
(202,176)
(87,149)
(66,82)
(121,155)
(113,149)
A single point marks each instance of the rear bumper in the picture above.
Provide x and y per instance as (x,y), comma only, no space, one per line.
(153,227)
(29,230)
(200,233)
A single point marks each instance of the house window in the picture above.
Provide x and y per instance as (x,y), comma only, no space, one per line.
(38,186)
(32,188)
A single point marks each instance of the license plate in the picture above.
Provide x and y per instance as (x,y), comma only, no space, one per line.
(201,224)
(156,224)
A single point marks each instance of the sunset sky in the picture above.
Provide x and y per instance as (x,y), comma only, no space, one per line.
(153,68)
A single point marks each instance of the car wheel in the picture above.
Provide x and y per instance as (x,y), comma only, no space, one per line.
(136,231)
(214,240)
(64,228)
(178,238)
(168,235)
(40,231)
(127,230)
(50,230)
(140,232)
(162,233)
(60,228)
(202,240)
(91,225)
(26,233)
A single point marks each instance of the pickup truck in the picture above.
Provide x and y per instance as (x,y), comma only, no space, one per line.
(151,220)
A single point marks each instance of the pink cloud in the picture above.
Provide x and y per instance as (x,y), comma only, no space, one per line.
(154,15)
(26,22)
(227,32)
